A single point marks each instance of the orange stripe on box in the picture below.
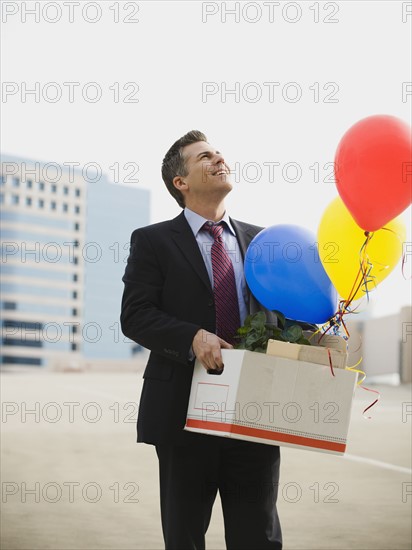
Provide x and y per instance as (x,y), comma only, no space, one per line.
(266,434)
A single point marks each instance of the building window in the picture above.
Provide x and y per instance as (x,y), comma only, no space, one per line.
(65,190)
(16,182)
(1,198)
(3,179)
(9,305)
(22,325)
(77,192)
(75,260)
(41,203)
(53,205)
(22,361)
(29,201)
(74,312)
(65,207)
(53,188)
(74,329)
(76,226)
(41,185)
(74,346)
(74,294)
(29,184)
(77,209)
(75,277)
(15,199)
(22,342)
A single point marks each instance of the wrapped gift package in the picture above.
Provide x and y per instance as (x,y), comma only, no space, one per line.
(273,400)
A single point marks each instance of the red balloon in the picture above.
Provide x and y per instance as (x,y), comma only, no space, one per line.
(373,170)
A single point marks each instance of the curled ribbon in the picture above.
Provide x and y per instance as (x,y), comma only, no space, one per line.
(403,253)
(330,362)
(363,279)
(353,368)
(359,383)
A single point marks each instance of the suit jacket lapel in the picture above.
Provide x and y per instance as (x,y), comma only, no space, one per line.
(244,235)
(185,240)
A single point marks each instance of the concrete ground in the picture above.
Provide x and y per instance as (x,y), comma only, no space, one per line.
(74,478)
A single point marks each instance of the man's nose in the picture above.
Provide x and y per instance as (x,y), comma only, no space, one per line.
(218,159)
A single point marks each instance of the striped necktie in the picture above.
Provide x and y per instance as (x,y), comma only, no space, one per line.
(224,286)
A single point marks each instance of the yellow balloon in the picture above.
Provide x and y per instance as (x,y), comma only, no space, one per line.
(341,253)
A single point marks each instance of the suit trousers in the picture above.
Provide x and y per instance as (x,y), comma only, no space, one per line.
(245,474)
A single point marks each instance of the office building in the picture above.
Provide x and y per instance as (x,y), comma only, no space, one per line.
(64,242)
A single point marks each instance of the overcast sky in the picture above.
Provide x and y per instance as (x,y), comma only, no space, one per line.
(274,85)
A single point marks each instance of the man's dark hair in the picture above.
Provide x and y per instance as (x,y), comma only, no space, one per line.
(174,164)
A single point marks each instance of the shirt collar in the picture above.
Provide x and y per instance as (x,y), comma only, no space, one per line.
(196,221)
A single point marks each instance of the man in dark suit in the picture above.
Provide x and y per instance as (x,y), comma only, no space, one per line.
(169,306)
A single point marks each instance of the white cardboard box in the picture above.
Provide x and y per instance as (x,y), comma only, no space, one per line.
(321,355)
(273,400)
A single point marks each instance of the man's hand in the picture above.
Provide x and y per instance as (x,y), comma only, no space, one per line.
(206,347)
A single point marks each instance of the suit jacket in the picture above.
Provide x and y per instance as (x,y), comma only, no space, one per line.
(167,298)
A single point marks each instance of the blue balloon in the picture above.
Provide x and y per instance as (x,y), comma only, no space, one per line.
(284,272)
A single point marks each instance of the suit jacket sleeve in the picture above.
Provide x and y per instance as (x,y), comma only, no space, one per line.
(143,317)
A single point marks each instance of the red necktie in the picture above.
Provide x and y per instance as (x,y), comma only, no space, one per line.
(224,286)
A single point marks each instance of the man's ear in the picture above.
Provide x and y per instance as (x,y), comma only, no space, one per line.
(179,183)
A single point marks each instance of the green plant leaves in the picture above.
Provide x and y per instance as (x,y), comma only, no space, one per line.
(293,333)
(258,320)
(256,332)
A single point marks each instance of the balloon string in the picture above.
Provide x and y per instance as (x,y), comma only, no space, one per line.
(364,272)
(372,404)
(403,268)
(403,253)
(330,361)
(363,280)
(353,369)
(359,383)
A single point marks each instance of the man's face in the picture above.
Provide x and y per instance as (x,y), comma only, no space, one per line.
(207,173)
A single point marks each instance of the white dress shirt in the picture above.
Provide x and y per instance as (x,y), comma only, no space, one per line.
(205,241)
